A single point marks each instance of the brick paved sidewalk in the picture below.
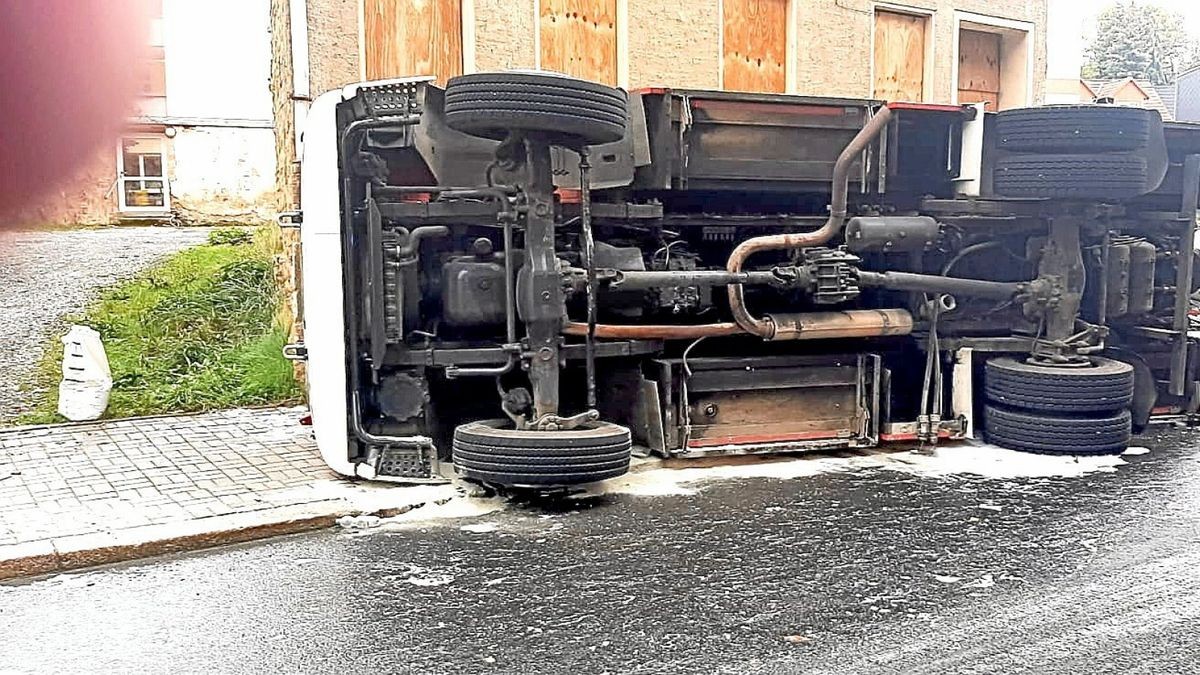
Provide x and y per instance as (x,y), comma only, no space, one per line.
(85,494)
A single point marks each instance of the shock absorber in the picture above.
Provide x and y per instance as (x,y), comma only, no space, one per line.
(589,262)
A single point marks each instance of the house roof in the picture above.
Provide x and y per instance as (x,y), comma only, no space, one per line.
(1168,93)
(1107,88)
(1154,101)
(1144,94)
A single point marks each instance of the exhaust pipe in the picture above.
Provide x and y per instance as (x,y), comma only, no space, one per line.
(855,323)
(766,328)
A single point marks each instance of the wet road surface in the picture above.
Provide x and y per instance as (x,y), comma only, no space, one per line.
(872,571)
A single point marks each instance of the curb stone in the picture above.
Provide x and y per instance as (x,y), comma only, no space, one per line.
(61,554)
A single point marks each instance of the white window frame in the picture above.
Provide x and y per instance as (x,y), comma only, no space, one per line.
(1027,27)
(928,74)
(622,40)
(122,179)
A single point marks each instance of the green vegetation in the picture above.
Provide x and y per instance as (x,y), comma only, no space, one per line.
(230,236)
(1141,41)
(198,332)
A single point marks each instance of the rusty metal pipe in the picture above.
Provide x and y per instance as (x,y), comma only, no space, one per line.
(766,328)
(855,323)
(653,332)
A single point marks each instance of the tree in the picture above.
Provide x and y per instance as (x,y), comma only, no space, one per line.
(1141,41)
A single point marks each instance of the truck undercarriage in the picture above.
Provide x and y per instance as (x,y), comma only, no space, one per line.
(541,273)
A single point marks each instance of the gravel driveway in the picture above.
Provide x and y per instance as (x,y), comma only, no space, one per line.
(46,275)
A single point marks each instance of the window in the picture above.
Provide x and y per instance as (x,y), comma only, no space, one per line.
(899,56)
(142,182)
(754,45)
(579,38)
(994,61)
(407,38)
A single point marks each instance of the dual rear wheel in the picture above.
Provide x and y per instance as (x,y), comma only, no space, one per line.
(1087,152)
(1059,410)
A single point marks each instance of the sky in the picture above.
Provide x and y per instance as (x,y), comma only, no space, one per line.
(1070,20)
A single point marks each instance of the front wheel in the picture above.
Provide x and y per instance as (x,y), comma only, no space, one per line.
(493,453)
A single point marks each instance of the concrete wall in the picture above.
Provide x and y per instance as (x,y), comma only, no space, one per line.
(216,119)
(678,43)
(333,44)
(674,43)
(87,197)
(503,35)
(223,174)
(218,63)
(834,38)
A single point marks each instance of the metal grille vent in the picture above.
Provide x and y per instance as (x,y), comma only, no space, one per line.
(404,463)
(392,98)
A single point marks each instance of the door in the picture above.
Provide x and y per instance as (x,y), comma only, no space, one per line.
(899,56)
(406,38)
(579,38)
(754,45)
(979,68)
(141,181)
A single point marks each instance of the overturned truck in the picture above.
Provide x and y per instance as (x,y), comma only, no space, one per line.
(532,276)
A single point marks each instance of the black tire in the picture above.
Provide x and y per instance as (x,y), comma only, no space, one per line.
(1104,177)
(1074,128)
(491,452)
(1104,387)
(1058,435)
(571,112)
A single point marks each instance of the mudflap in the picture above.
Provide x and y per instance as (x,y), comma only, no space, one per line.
(1145,386)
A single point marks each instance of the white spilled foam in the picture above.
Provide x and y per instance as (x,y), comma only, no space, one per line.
(685,481)
(451,509)
(990,461)
(481,528)
(970,459)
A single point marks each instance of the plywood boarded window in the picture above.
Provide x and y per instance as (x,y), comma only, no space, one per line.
(754,37)
(579,38)
(979,68)
(404,38)
(900,56)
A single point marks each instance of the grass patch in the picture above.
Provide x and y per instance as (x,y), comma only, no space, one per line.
(198,332)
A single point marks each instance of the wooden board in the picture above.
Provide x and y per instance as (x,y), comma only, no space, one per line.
(754,34)
(979,68)
(404,38)
(899,56)
(579,38)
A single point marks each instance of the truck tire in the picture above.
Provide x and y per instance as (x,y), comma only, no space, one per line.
(1104,387)
(1057,435)
(1074,128)
(1102,177)
(572,112)
(491,452)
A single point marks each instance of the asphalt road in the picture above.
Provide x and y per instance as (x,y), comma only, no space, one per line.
(870,571)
